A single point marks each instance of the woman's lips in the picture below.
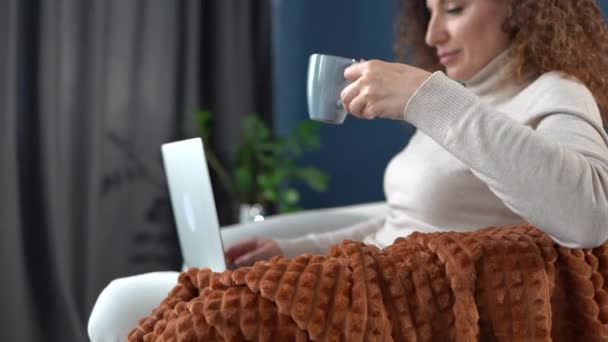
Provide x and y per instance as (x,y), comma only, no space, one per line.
(448,57)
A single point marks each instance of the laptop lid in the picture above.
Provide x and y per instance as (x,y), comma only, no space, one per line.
(193,204)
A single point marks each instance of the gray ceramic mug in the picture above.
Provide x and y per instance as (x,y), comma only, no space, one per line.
(325,83)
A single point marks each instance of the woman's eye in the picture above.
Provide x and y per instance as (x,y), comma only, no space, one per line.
(454,10)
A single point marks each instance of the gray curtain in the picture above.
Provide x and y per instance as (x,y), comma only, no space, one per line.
(236,76)
(89,90)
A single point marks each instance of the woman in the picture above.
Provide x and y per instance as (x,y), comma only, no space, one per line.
(521,141)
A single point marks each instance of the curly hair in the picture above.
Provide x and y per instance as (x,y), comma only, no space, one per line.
(570,36)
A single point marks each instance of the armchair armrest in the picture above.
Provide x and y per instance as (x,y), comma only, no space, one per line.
(302,223)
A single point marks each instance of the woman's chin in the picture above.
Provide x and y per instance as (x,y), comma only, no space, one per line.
(457,74)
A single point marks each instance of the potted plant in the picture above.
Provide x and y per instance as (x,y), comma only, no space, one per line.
(264,167)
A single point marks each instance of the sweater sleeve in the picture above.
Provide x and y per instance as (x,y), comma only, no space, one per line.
(320,243)
(555,175)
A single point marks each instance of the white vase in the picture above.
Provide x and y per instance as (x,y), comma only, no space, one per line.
(251,212)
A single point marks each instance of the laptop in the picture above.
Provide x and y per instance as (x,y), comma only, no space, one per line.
(193,204)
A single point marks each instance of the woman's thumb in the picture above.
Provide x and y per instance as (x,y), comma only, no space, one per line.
(262,253)
(248,259)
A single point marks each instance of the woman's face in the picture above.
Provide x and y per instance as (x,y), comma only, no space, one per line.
(467,34)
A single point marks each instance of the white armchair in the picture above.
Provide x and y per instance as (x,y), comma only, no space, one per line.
(124,301)
(304,222)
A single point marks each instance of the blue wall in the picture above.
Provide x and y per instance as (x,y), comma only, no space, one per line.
(355,153)
(604,6)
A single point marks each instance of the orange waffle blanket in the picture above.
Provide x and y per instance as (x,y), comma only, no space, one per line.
(497,284)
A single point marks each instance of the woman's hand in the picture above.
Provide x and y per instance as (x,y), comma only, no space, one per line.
(248,251)
(380,89)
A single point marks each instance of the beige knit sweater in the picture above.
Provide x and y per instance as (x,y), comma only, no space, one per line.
(492,153)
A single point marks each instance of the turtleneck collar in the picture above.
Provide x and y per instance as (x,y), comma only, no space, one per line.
(491,83)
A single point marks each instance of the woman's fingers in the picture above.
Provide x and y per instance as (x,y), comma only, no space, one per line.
(348,94)
(264,252)
(354,71)
(358,106)
(239,249)
(356,96)
(248,259)
(381,89)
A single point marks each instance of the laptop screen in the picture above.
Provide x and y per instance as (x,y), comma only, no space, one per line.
(193,204)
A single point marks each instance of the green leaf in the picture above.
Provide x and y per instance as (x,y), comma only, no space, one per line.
(245,157)
(286,208)
(264,180)
(290,196)
(243,178)
(270,195)
(313,177)
(271,147)
(203,121)
(307,135)
(254,130)
(278,176)
(268,162)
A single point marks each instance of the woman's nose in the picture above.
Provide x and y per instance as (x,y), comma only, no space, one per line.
(435,33)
